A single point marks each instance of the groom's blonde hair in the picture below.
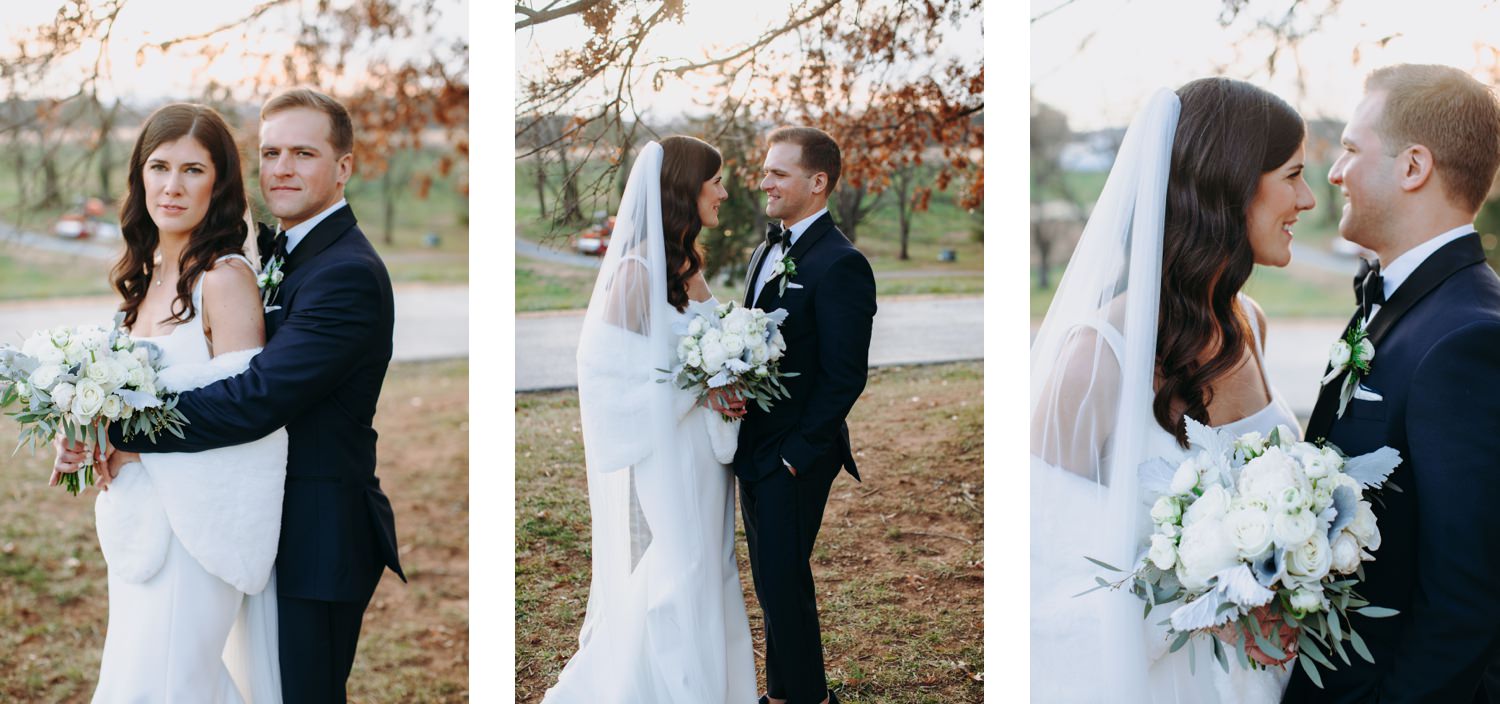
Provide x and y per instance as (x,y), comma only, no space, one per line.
(1450,113)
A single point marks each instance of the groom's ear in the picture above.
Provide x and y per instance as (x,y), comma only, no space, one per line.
(346,169)
(1416,167)
(820,183)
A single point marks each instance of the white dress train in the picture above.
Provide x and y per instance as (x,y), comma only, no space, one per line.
(190,541)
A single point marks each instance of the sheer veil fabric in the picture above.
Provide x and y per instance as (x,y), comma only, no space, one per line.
(665,620)
(1092,366)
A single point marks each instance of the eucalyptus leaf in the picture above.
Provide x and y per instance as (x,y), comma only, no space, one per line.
(1311,670)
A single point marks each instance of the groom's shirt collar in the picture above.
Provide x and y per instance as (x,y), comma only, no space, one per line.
(295,235)
(801,226)
(1403,266)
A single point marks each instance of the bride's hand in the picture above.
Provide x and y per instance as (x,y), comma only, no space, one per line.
(727,401)
(69,458)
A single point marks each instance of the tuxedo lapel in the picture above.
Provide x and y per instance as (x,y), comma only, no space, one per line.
(805,242)
(1448,260)
(330,229)
(756,260)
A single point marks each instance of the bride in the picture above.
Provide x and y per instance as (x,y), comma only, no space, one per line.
(192,597)
(1148,326)
(665,622)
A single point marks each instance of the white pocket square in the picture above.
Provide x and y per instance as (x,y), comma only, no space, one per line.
(793,285)
(1365,393)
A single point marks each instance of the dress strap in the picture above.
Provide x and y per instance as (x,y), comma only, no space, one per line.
(198,285)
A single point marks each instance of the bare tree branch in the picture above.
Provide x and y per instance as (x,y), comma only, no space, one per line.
(536,17)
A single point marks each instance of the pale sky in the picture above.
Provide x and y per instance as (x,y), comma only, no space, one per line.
(706,28)
(176,75)
(1140,45)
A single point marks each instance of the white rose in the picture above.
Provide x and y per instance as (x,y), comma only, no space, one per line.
(1339,354)
(778,342)
(1185,479)
(45,376)
(88,398)
(23,391)
(112,407)
(1167,509)
(733,343)
(62,396)
(34,345)
(1170,530)
(1266,476)
(1306,601)
(1250,530)
(1205,549)
(135,378)
(1364,528)
(1212,505)
(1294,528)
(61,336)
(1163,552)
(762,370)
(123,341)
(142,355)
(1250,444)
(1311,559)
(97,372)
(695,328)
(714,356)
(694,359)
(1311,459)
(711,337)
(1366,350)
(1345,551)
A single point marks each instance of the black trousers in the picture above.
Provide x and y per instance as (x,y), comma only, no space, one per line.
(782,515)
(317,643)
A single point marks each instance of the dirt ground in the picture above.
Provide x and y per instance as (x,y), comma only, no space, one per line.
(415,642)
(899,562)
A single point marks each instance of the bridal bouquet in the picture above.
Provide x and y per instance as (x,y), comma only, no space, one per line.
(77,380)
(1261,540)
(726,345)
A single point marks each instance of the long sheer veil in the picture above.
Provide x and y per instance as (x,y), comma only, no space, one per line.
(1092,370)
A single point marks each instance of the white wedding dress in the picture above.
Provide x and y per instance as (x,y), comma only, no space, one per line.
(190,542)
(666,618)
(1063,627)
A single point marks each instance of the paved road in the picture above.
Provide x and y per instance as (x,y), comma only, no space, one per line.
(432,322)
(93,249)
(915,330)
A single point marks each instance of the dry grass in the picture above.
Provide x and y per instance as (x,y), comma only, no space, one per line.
(899,562)
(415,643)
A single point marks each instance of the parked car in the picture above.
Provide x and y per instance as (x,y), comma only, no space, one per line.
(595,239)
(87,220)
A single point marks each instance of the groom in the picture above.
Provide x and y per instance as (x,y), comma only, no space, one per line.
(788,457)
(1419,157)
(327,349)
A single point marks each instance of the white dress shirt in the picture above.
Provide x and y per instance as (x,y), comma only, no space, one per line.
(1402,267)
(777,252)
(295,235)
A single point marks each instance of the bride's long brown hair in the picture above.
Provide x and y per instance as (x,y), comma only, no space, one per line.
(222,230)
(1228,133)
(687,163)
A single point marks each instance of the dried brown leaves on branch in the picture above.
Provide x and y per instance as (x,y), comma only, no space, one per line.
(361,53)
(869,72)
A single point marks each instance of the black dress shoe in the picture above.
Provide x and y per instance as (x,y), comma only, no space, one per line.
(832,698)
(765,699)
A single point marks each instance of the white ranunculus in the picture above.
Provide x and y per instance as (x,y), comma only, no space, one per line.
(695,359)
(1212,505)
(1204,550)
(778,342)
(62,396)
(738,322)
(1339,354)
(1163,552)
(1171,530)
(714,356)
(88,398)
(142,355)
(1251,531)
(45,376)
(1322,498)
(1364,528)
(696,327)
(1345,551)
(1185,479)
(1332,460)
(112,407)
(1311,559)
(1305,601)
(762,370)
(61,336)
(1294,528)
(1366,350)
(1291,500)
(1250,444)
(1167,509)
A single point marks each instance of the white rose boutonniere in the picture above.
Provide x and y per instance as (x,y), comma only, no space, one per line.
(786,268)
(269,282)
(1352,353)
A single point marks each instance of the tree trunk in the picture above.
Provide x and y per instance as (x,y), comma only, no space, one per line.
(541,185)
(572,210)
(388,190)
(1043,254)
(51,188)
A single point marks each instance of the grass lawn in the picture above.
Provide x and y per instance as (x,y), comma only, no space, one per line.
(415,642)
(899,562)
(26,273)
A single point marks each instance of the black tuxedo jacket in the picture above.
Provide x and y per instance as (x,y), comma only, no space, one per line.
(827,333)
(1437,371)
(320,375)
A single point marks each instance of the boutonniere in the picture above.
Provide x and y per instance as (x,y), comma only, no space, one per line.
(1352,353)
(269,282)
(786,268)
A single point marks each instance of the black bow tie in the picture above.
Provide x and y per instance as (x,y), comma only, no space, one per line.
(1369,286)
(775,235)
